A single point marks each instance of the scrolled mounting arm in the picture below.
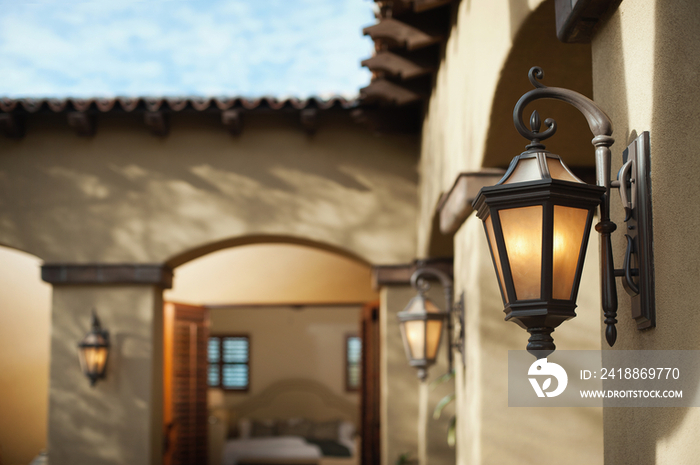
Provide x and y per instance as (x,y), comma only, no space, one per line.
(602,129)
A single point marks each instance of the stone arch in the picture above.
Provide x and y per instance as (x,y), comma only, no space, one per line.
(205,249)
(270,270)
(565,65)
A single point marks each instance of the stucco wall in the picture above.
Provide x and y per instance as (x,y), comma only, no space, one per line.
(127,196)
(645,70)
(400,388)
(120,419)
(469,125)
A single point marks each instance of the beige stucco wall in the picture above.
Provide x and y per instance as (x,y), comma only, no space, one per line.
(127,196)
(291,343)
(645,70)
(400,388)
(25,310)
(469,125)
(119,420)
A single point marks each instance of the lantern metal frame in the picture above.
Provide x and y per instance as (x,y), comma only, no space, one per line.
(97,338)
(419,282)
(541,316)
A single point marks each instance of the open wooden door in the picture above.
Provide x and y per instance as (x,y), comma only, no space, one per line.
(185,384)
(370,385)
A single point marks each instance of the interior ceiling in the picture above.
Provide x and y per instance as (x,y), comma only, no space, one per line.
(564,65)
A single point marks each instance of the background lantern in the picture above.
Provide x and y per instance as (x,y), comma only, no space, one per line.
(422,322)
(93,351)
(421,329)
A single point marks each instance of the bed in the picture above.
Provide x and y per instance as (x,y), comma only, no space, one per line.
(292,422)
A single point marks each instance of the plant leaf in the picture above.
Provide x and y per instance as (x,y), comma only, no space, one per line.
(442,404)
(452,432)
(442,379)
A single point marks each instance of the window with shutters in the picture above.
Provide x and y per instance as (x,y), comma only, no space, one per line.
(353,358)
(229,362)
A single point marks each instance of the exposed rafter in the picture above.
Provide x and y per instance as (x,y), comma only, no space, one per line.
(84,124)
(12,125)
(157,122)
(389,92)
(401,34)
(396,65)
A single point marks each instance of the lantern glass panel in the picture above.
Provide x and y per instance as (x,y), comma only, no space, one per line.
(433,331)
(415,336)
(496,256)
(92,359)
(557,170)
(522,233)
(569,227)
(527,169)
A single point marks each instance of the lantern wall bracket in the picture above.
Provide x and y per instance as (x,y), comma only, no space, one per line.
(633,176)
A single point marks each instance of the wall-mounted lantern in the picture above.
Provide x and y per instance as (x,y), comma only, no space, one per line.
(93,351)
(422,322)
(538,217)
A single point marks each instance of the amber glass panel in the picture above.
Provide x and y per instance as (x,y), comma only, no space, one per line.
(93,359)
(557,170)
(432,336)
(522,233)
(415,336)
(496,257)
(527,169)
(569,227)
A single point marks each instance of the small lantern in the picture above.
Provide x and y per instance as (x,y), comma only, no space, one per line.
(421,325)
(537,221)
(93,351)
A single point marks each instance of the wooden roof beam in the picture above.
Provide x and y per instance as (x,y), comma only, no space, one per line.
(157,122)
(424,5)
(12,125)
(402,34)
(456,206)
(396,65)
(387,91)
(84,124)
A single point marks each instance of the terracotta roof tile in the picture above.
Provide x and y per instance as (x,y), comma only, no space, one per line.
(175,104)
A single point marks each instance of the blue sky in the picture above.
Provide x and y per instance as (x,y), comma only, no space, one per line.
(183,47)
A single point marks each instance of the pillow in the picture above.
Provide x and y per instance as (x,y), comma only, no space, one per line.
(262,428)
(327,430)
(346,432)
(294,427)
(244,426)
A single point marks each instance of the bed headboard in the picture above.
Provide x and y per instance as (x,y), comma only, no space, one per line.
(293,398)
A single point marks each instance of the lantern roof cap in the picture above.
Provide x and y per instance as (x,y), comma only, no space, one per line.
(536,165)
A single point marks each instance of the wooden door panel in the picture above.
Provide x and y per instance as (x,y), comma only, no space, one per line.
(185,396)
(370,390)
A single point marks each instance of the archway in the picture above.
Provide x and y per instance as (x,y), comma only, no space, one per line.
(293,304)
(565,65)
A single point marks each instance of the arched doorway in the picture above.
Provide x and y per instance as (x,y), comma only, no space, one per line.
(293,309)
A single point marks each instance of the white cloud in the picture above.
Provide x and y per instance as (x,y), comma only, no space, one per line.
(177,47)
